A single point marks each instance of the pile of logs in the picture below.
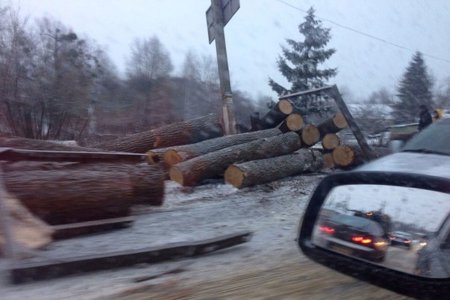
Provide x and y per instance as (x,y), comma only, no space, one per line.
(260,156)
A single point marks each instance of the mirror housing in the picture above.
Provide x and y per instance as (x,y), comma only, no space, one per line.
(397,281)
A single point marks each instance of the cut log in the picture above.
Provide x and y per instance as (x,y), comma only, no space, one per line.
(178,154)
(86,192)
(310,135)
(330,141)
(186,132)
(285,106)
(27,230)
(23,143)
(347,156)
(293,122)
(266,170)
(333,125)
(10,154)
(213,164)
(328,161)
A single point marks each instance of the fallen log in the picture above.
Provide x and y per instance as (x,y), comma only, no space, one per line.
(285,106)
(181,133)
(213,164)
(310,135)
(27,231)
(330,141)
(10,154)
(261,171)
(27,271)
(82,192)
(333,125)
(174,155)
(31,144)
(293,122)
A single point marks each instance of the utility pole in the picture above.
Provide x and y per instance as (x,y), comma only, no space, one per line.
(217,16)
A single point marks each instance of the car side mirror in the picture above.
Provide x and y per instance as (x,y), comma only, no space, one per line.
(371,225)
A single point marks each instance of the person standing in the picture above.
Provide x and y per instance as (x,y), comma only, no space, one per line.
(424,117)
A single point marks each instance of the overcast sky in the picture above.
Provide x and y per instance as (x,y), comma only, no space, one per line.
(257,30)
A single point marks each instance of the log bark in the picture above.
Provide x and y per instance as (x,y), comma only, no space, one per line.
(333,125)
(27,230)
(293,122)
(213,164)
(181,133)
(330,141)
(79,192)
(310,135)
(24,143)
(174,155)
(266,170)
(347,156)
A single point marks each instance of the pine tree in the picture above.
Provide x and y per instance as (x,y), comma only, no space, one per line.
(299,65)
(413,90)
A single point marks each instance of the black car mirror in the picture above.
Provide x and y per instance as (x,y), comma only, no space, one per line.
(383,228)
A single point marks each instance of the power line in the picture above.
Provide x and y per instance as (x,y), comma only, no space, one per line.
(366,34)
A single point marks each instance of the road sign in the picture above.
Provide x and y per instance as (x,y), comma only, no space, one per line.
(229,8)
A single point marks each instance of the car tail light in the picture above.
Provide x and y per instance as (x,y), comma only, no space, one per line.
(326,229)
(361,239)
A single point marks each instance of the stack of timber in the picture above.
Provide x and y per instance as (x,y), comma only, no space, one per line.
(27,231)
(192,172)
(181,133)
(84,192)
(261,171)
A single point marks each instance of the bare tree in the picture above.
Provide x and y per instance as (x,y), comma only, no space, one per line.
(149,60)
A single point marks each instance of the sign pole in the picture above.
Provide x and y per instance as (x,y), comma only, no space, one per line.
(222,62)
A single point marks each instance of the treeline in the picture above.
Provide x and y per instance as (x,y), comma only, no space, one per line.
(56,84)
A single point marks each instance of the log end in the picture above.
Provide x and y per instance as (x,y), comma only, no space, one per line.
(285,106)
(310,135)
(343,155)
(234,176)
(176,175)
(330,141)
(294,122)
(340,121)
(171,157)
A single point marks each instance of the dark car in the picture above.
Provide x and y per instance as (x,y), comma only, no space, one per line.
(356,236)
(400,238)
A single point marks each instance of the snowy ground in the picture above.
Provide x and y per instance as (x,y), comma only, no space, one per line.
(271,211)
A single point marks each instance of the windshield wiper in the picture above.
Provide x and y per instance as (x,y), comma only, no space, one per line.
(424,150)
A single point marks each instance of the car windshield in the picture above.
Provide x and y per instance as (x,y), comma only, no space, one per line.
(432,140)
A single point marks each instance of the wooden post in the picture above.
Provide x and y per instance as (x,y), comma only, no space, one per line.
(366,150)
(222,63)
